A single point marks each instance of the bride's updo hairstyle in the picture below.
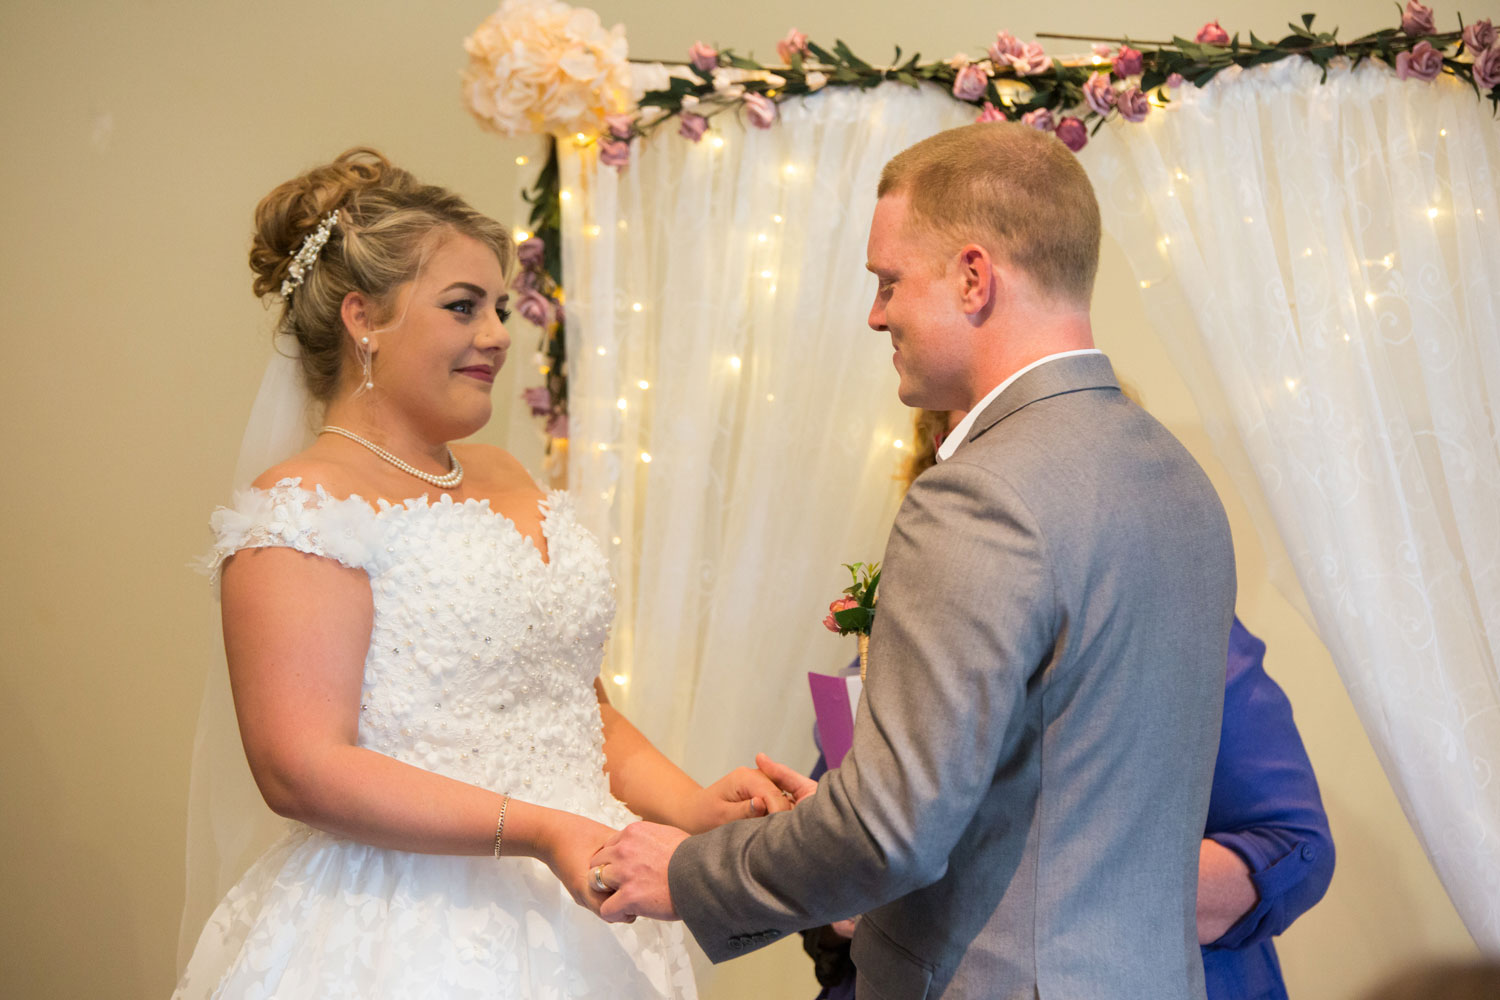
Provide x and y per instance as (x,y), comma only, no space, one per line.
(388,223)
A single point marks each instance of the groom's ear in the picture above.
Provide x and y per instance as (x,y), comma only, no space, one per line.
(978,282)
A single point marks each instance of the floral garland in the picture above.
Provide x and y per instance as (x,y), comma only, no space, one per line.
(542,66)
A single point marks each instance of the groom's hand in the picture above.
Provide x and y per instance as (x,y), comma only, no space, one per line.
(635,862)
(797,786)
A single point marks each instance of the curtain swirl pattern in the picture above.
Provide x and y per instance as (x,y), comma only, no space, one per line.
(733,418)
(1322,262)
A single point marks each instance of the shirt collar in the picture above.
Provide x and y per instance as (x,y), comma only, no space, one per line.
(956,436)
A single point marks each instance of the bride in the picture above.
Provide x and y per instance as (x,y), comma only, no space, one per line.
(413,634)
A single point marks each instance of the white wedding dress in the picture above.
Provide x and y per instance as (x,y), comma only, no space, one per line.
(481,666)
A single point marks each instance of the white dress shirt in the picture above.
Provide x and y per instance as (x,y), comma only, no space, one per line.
(956,436)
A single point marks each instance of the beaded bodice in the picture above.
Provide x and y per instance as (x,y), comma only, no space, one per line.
(482,655)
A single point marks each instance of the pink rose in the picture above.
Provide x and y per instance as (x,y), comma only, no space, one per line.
(1099,94)
(761,109)
(1004,46)
(535,307)
(794,42)
(1103,50)
(1134,105)
(1212,34)
(558,426)
(1128,61)
(1040,119)
(1072,133)
(531,252)
(990,113)
(1032,61)
(693,126)
(620,126)
(1416,19)
(614,153)
(970,83)
(1423,62)
(539,399)
(1487,68)
(1479,36)
(705,58)
(842,604)
(1174,81)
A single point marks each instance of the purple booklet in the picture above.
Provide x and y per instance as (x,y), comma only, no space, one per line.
(834,700)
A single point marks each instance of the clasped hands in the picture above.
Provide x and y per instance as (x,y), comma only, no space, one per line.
(633,862)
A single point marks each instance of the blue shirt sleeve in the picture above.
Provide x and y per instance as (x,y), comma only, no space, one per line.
(1265,804)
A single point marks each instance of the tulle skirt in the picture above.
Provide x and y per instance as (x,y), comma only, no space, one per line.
(321,917)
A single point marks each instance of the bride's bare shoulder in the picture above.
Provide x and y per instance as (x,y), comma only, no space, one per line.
(498,468)
(317,466)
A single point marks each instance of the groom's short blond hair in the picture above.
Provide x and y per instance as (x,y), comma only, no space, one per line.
(1016,191)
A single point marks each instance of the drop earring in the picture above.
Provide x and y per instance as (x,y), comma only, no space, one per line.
(366,359)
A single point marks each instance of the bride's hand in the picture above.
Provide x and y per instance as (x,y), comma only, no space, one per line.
(795,785)
(574,840)
(743,793)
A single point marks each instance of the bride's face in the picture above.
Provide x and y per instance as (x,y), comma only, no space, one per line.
(438,357)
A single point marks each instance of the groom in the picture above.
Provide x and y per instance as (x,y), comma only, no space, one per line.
(1021,811)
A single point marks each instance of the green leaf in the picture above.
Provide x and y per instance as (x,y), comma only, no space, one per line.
(849,57)
(1307,21)
(854,619)
(904,77)
(821,54)
(795,62)
(1151,79)
(869,594)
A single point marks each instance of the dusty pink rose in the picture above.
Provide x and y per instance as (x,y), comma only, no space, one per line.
(1134,105)
(539,399)
(1040,119)
(535,307)
(1004,46)
(1098,93)
(614,153)
(1032,61)
(693,126)
(1174,80)
(531,252)
(1127,61)
(761,110)
(1212,34)
(1072,133)
(970,83)
(527,278)
(1487,68)
(1423,62)
(1479,36)
(842,604)
(990,113)
(620,126)
(1416,19)
(705,58)
(794,42)
(558,426)
(1103,50)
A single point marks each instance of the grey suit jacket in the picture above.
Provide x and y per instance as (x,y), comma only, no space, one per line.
(1021,810)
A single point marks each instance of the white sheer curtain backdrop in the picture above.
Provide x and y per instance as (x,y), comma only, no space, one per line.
(1324,261)
(717,296)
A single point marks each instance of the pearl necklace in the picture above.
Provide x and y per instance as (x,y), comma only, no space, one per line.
(446,481)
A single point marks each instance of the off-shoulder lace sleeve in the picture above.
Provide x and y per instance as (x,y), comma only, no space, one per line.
(287,515)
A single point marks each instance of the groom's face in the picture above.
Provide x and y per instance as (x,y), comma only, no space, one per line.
(916,302)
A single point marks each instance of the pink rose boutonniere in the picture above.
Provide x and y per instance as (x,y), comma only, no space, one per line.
(855,611)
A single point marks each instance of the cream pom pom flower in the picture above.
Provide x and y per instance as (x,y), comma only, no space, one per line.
(545,66)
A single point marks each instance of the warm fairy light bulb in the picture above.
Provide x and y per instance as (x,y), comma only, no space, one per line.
(767,273)
(734,363)
(1291,385)
(620,679)
(581,138)
(1369,298)
(790,169)
(565,195)
(644,384)
(761,237)
(602,352)
(593,230)
(620,402)
(898,444)
(521,161)
(717,142)
(636,307)
(522,235)
(1145,284)
(616,540)
(770,397)
(1432,213)
(777,219)
(646,457)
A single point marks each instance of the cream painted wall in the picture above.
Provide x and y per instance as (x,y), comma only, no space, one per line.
(138,137)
